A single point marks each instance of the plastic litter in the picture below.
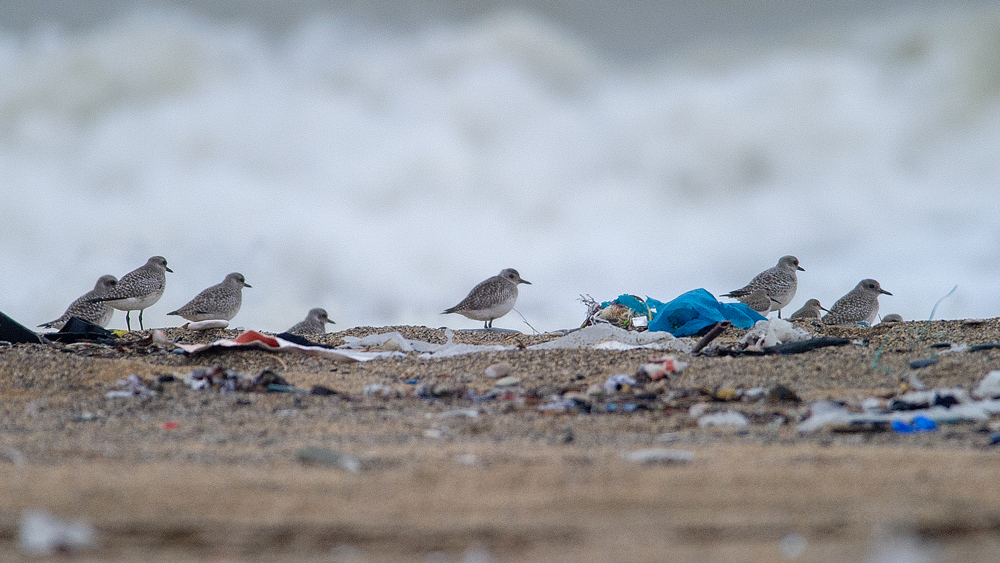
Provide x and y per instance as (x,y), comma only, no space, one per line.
(252,339)
(659,456)
(728,418)
(206,325)
(323,457)
(16,333)
(660,368)
(608,337)
(774,332)
(133,386)
(989,387)
(79,330)
(920,423)
(41,534)
(697,310)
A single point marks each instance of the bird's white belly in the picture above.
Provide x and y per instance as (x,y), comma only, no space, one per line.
(490,313)
(136,303)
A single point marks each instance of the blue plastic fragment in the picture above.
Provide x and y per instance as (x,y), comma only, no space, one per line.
(629,407)
(693,312)
(610,407)
(900,427)
(411,381)
(923,424)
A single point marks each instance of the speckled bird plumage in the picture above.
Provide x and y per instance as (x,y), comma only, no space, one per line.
(99,312)
(859,305)
(314,323)
(491,298)
(811,310)
(778,282)
(219,302)
(139,289)
(758,301)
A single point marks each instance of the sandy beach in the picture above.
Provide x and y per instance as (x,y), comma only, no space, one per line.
(470,472)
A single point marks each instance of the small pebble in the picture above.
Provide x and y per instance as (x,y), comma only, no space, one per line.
(500,369)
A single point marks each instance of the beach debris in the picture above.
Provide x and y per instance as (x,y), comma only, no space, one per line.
(42,534)
(16,333)
(711,335)
(608,337)
(132,386)
(728,418)
(920,423)
(508,381)
(499,369)
(770,333)
(324,457)
(989,387)
(80,330)
(792,546)
(659,456)
(206,325)
(251,339)
(618,382)
(659,368)
(629,312)
(926,362)
(692,313)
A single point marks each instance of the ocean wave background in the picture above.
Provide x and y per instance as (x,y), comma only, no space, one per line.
(381,173)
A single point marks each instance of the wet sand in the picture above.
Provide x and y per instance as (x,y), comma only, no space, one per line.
(498,479)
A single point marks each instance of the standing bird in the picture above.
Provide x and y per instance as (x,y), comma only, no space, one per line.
(97,313)
(859,305)
(219,302)
(315,323)
(138,289)
(779,283)
(811,310)
(759,301)
(491,298)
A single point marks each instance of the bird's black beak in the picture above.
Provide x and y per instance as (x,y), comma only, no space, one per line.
(524,281)
(168,269)
(800,268)
(885,292)
(245,284)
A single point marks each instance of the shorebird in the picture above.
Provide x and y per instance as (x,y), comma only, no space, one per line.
(859,305)
(138,289)
(491,298)
(892,318)
(779,283)
(219,302)
(99,313)
(759,301)
(314,323)
(811,310)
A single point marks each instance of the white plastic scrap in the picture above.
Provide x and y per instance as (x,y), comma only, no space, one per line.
(728,418)
(132,387)
(989,387)
(608,337)
(42,534)
(665,456)
(771,333)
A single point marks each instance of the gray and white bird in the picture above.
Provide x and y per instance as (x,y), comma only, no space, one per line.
(99,313)
(314,323)
(759,301)
(491,298)
(220,302)
(859,305)
(892,318)
(779,283)
(811,310)
(138,289)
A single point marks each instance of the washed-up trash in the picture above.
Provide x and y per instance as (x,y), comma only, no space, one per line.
(41,534)
(920,423)
(396,343)
(206,325)
(774,332)
(660,368)
(659,456)
(989,387)
(836,417)
(324,457)
(80,330)
(618,382)
(132,386)
(508,381)
(252,339)
(629,312)
(608,337)
(728,418)
(696,311)
(916,400)
(782,394)
(16,333)
(926,362)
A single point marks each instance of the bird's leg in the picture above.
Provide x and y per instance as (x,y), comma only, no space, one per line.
(486,325)
(141,310)
(128,322)
(779,313)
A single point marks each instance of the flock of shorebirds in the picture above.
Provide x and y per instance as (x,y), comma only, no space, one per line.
(770,290)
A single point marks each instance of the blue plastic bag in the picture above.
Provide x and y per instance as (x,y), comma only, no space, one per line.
(698,310)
